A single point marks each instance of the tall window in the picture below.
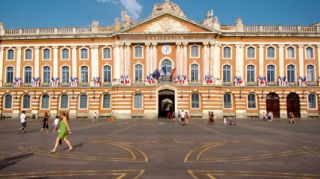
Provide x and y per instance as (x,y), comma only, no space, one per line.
(251,101)
(46,74)
(137,101)
(194,51)
(271,73)
(65,53)
(28,54)
(166,66)
(65,74)
(270,52)
(251,52)
(194,72)
(138,51)
(45,101)
(9,77)
(83,101)
(8,101)
(84,53)
(106,53)
(84,74)
(226,52)
(106,101)
(26,101)
(227,103)
(290,52)
(27,74)
(291,73)
(10,55)
(251,73)
(64,101)
(46,54)
(107,74)
(138,72)
(310,73)
(312,101)
(226,73)
(195,100)
(310,53)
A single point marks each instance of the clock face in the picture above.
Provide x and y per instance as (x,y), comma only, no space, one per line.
(166,49)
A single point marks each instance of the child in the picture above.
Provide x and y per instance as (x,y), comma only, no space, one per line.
(55,124)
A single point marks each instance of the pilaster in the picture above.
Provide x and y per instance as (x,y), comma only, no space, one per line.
(261,60)
(18,65)
(216,61)
(301,62)
(55,61)
(155,55)
(211,59)
(116,61)
(1,65)
(281,60)
(148,59)
(127,59)
(184,58)
(94,61)
(121,58)
(205,60)
(239,60)
(36,61)
(318,46)
(74,62)
(178,59)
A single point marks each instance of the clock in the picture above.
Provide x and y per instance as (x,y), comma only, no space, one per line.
(166,49)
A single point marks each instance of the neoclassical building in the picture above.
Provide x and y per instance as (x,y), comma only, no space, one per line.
(165,62)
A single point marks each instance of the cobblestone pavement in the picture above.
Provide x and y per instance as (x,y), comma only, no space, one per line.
(154,149)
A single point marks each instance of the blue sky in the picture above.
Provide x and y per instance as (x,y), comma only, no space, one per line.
(66,13)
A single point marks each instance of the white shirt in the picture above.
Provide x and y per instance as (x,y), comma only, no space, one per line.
(56,121)
(22,118)
(183,114)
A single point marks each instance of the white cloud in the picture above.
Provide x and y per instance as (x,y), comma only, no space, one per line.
(132,6)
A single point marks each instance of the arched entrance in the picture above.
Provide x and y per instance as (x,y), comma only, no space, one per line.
(166,102)
(273,104)
(293,104)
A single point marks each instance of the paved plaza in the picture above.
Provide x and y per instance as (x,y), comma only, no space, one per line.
(156,149)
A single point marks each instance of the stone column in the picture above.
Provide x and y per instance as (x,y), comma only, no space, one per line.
(318,60)
(55,61)
(261,60)
(74,62)
(301,62)
(239,61)
(121,59)
(281,60)
(178,59)
(216,62)
(116,62)
(18,65)
(36,62)
(205,60)
(94,64)
(1,66)
(154,55)
(127,59)
(148,62)
(211,59)
(185,58)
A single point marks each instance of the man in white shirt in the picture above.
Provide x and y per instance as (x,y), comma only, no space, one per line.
(23,121)
(183,115)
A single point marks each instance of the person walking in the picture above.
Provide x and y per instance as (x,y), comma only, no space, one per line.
(64,131)
(291,118)
(186,119)
(45,122)
(55,124)
(23,121)
(183,115)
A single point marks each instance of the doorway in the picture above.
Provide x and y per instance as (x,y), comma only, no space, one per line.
(166,102)
(293,104)
(273,104)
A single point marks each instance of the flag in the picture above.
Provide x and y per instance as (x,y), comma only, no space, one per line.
(172,73)
(156,74)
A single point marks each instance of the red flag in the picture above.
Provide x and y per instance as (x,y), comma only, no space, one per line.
(172,73)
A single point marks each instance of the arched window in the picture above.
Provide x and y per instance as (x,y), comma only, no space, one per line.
(27,74)
(106,101)
(137,101)
(65,53)
(252,101)
(270,52)
(65,74)
(28,54)
(106,53)
(194,72)
(194,51)
(310,53)
(83,101)
(226,52)
(138,51)
(84,74)
(138,73)
(84,53)
(312,101)
(46,54)
(46,74)
(10,55)
(227,100)
(251,73)
(226,73)
(26,102)
(291,73)
(166,66)
(271,73)
(290,52)
(64,101)
(107,74)
(195,100)
(45,101)
(8,101)
(9,77)
(251,52)
(310,73)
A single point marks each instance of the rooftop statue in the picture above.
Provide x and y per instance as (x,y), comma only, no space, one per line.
(167,7)
(211,20)
(126,20)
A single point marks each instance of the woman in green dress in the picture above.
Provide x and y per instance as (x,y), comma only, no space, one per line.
(64,131)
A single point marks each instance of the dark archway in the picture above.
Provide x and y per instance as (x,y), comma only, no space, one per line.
(293,104)
(273,104)
(166,102)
